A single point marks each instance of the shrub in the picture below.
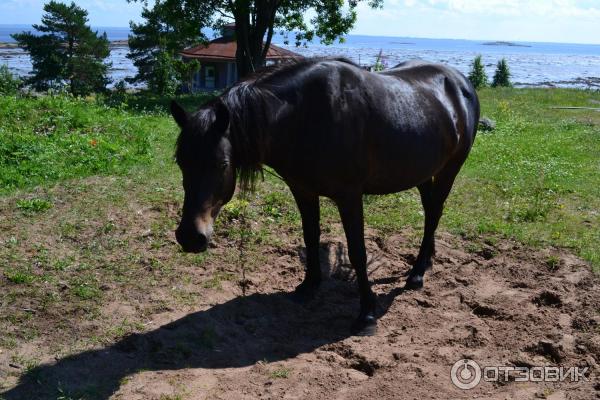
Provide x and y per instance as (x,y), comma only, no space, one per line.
(477,75)
(164,80)
(116,97)
(502,75)
(380,64)
(9,83)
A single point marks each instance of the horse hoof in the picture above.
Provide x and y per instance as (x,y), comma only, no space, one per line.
(414,282)
(364,326)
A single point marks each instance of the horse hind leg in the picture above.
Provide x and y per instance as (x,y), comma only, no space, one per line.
(434,193)
(351,212)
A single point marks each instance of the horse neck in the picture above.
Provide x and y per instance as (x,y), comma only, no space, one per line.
(252,131)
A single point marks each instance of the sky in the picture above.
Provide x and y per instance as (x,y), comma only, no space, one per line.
(569,21)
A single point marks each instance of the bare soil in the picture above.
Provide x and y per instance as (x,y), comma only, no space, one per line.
(502,304)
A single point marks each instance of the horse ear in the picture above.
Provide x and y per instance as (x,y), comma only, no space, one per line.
(179,114)
(221,116)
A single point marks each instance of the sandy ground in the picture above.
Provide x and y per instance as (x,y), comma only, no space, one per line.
(503,306)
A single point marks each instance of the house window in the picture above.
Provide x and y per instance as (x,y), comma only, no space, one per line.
(209,77)
(197,81)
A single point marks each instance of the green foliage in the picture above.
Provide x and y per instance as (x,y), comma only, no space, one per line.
(9,83)
(477,75)
(19,277)
(168,27)
(57,137)
(116,97)
(86,292)
(380,63)
(68,53)
(553,262)
(185,73)
(33,206)
(170,74)
(280,373)
(502,75)
(180,22)
(163,80)
(149,102)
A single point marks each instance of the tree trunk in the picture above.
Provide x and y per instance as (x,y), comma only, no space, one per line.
(251,25)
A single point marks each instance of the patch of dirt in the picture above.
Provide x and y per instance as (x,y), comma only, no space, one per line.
(500,307)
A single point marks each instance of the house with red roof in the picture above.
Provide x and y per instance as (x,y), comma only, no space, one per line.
(218,63)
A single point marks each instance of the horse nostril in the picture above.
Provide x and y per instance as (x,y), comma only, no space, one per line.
(191,240)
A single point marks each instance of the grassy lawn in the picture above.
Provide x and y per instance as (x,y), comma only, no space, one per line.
(90,196)
(535,178)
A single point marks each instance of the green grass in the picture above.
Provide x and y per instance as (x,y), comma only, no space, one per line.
(33,206)
(280,373)
(48,139)
(83,227)
(535,178)
(19,277)
(86,232)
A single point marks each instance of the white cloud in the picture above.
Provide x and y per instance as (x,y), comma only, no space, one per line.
(517,20)
(543,8)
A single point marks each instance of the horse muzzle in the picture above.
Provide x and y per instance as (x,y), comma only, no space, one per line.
(191,240)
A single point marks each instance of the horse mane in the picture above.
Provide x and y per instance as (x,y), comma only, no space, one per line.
(249,101)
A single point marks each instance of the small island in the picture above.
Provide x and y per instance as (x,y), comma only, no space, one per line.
(501,43)
(6,45)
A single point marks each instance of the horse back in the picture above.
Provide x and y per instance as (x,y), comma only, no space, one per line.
(454,91)
(386,132)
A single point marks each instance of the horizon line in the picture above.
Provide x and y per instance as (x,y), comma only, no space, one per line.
(385,36)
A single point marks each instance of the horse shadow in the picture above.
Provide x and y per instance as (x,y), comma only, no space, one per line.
(237,333)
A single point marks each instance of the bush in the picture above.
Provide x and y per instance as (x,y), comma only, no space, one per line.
(9,83)
(380,63)
(477,76)
(502,75)
(116,98)
(171,75)
(186,71)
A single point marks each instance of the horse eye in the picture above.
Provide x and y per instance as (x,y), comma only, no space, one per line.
(224,164)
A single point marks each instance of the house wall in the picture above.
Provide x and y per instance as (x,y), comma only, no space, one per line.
(225,74)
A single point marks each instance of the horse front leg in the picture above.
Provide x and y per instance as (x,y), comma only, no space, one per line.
(308,204)
(351,212)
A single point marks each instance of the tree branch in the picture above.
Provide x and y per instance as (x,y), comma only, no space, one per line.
(223,14)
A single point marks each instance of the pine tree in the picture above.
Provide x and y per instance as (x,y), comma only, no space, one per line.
(68,53)
(477,75)
(502,75)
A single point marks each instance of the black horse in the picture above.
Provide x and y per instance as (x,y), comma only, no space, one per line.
(330,128)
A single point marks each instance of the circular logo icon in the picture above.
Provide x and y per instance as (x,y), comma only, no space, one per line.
(465,374)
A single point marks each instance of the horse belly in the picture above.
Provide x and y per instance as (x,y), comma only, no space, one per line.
(400,161)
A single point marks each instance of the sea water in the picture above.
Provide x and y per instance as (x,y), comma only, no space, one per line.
(531,64)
